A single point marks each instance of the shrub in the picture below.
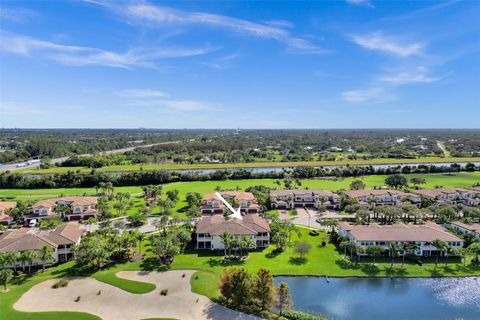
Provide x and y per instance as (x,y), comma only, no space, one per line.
(324,243)
(60,284)
(164,292)
(299,315)
(313,233)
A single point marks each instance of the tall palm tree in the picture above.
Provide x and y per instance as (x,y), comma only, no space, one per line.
(12,258)
(46,255)
(440,245)
(393,250)
(226,239)
(30,256)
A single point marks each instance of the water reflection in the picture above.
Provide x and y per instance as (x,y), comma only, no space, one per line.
(385,298)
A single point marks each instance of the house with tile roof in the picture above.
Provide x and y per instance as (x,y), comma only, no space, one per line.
(5,219)
(383,197)
(466,228)
(210,228)
(246,201)
(79,208)
(423,235)
(290,199)
(61,240)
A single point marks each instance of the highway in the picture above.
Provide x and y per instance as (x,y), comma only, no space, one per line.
(13,166)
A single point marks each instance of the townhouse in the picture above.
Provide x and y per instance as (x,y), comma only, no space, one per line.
(5,219)
(384,197)
(78,208)
(382,235)
(450,196)
(246,201)
(209,230)
(61,240)
(466,228)
(290,199)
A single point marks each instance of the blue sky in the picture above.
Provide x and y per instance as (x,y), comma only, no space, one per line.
(339,64)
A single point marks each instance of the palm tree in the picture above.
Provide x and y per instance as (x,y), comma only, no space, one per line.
(393,249)
(405,247)
(30,256)
(375,251)
(440,245)
(226,239)
(12,258)
(46,255)
(451,251)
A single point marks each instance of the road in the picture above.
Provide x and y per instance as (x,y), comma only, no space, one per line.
(13,166)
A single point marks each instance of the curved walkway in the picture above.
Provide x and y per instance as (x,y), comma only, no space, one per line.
(111,303)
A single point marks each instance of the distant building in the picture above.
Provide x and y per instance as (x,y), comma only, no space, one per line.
(210,228)
(79,208)
(290,199)
(246,201)
(5,219)
(381,235)
(466,228)
(61,240)
(450,196)
(383,197)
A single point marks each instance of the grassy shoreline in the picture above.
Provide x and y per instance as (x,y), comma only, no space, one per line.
(200,166)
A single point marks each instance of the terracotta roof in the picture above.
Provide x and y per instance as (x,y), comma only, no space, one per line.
(324,193)
(29,239)
(441,191)
(399,232)
(7,205)
(217,225)
(74,201)
(5,217)
(472,227)
(230,194)
(374,192)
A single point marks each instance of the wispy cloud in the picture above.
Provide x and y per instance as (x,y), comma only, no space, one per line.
(371,95)
(360,3)
(84,56)
(416,75)
(154,15)
(17,15)
(222,62)
(388,44)
(141,93)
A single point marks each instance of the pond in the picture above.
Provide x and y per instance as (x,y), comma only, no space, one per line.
(386,298)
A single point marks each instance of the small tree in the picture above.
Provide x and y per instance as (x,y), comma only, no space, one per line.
(46,255)
(357,185)
(236,287)
(416,181)
(374,251)
(284,300)
(396,181)
(5,277)
(263,289)
(302,248)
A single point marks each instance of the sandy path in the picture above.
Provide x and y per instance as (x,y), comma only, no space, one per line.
(115,304)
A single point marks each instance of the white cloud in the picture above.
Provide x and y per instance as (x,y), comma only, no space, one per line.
(17,15)
(155,15)
(361,3)
(371,95)
(141,93)
(83,56)
(175,105)
(388,44)
(417,75)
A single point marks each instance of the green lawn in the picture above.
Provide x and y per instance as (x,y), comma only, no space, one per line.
(266,164)
(321,261)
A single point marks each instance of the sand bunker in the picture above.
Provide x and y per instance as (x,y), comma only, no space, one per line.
(116,304)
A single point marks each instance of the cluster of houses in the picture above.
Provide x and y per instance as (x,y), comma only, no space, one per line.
(239,214)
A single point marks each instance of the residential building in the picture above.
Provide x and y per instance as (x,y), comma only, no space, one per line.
(61,240)
(466,228)
(5,219)
(383,197)
(290,199)
(381,235)
(78,208)
(246,201)
(450,196)
(210,228)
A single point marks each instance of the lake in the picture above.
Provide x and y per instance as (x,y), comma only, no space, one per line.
(385,298)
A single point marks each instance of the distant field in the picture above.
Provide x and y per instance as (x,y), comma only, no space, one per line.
(136,167)
(462,179)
